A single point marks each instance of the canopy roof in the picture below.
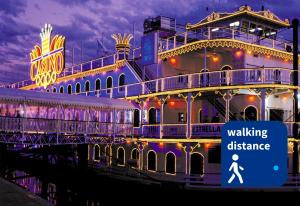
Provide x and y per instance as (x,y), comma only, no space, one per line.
(265,15)
(35,97)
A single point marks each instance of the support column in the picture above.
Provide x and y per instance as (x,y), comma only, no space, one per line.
(188,159)
(263,105)
(295,23)
(142,116)
(189,115)
(141,148)
(162,102)
(227,106)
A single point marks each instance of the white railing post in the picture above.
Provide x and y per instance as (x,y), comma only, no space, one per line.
(80,67)
(174,43)
(209,34)
(162,85)
(185,37)
(91,66)
(233,32)
(143,87)
(156,85)
(102,62)
(167,44)
(126,91)
(189,81)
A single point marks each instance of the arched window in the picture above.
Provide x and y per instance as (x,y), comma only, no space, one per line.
(87,86)
(225,76)
(61,89)
(170,163)
(78,88)
(69,89)
(109,84)
(250,113)
(151,161)
(97,85)
(48,90)
(152,116)
(135,155)
(136,116)
(97,152)
(54,90)
(197,161)
(121,156)
(121,82)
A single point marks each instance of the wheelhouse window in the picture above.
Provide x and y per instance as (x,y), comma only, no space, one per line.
(61,89)
(54,90)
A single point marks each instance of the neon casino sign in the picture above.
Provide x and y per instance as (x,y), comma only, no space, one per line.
(47,62)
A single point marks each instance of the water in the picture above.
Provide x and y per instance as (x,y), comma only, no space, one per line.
(70,186)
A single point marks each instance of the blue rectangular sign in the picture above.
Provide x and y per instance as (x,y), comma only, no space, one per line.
(254,154)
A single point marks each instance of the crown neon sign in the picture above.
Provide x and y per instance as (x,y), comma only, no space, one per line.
(47,62)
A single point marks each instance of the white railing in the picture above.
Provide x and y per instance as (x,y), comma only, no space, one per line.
(186,37)
(151,131)
(206,129)
(200,80)
(174,130)
(14,124)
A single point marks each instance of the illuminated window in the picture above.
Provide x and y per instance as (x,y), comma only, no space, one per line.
(61,89)
(69,89)
(151,159)
(98,85)
(121,82)
(121,156)
(109,84)
(181,117)
(170,163)
(96,152)
(78,88)
(87,86)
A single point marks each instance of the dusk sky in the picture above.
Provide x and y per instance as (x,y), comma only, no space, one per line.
(83,22)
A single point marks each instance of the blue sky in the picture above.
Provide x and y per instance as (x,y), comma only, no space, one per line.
(83,22)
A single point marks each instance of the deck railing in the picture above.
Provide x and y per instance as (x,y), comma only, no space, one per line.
(199,80)
(198,130)
(186,37)
(38,125)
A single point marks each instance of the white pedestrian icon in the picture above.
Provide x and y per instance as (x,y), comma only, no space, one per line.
(235,167)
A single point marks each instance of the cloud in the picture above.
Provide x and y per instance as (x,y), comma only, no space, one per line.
(12,7)
(83,22)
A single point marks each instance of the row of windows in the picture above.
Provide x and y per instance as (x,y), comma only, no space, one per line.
(87,86)
(197,161)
